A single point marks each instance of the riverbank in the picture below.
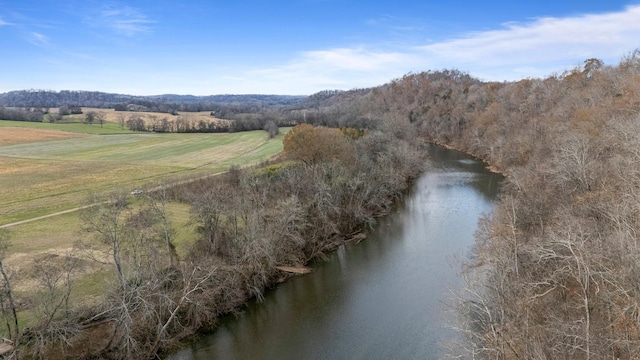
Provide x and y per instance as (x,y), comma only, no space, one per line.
(376,299)
(490,167)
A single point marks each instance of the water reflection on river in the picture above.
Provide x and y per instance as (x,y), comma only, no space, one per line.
(380,299)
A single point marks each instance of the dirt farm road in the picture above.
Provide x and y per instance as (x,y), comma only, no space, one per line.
(45,216)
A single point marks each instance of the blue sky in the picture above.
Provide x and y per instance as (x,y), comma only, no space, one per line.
(300,46)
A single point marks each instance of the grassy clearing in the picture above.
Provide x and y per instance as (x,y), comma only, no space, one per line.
(72,127)
(42,177)
(40,236)
(18,135)
(58,235)
(185,231)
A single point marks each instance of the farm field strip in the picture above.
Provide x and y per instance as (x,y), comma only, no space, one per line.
(38,178)
(78,128)
(157,148)
(17,135)
(52,185)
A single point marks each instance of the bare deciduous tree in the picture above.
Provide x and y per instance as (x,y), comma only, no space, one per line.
(105,218)
(52,308)
(7,301)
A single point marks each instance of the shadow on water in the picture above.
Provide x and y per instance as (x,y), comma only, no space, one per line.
(486,182)
(379,299)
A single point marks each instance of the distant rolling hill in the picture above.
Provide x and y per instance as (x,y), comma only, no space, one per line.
(47,98)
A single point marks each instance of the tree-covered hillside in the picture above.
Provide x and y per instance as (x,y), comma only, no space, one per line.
(555,275)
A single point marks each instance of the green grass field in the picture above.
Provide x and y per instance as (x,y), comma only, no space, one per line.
(74,127)
(43,177)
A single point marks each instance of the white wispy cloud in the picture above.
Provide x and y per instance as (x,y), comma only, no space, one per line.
(37,39)
(512,51)
(124,20)
(396,24)
(536,48)
(541,45)
(355,59)
(340,68)
(3,23)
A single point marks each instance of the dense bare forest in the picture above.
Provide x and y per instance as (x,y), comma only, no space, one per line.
(556,270)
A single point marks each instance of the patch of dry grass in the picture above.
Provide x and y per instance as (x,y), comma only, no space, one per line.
(19,135)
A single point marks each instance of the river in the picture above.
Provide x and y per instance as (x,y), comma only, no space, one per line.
(383,298)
